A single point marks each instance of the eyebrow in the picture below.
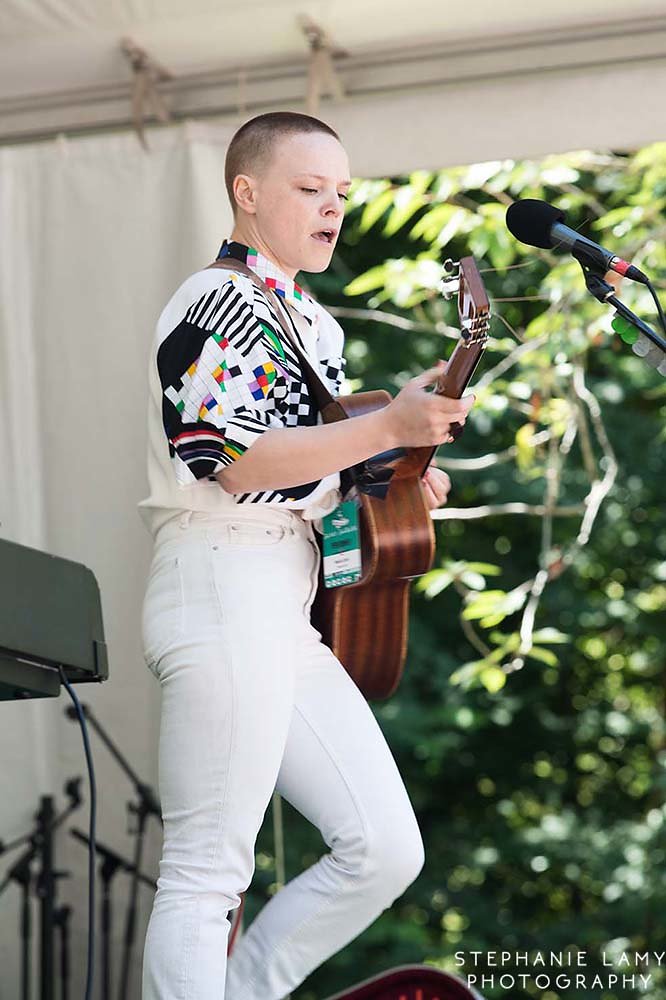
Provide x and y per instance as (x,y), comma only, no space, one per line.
(322,178)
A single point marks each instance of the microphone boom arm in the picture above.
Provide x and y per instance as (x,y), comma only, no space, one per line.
(653,347)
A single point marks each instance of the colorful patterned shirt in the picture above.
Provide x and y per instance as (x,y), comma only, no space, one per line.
(221,373)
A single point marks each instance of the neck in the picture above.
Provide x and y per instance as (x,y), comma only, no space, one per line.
(253,239)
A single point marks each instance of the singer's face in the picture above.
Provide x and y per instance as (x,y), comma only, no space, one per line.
(299,193)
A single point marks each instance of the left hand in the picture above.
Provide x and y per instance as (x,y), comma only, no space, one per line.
(436,485)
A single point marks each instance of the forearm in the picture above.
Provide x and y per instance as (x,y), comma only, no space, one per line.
(292,456)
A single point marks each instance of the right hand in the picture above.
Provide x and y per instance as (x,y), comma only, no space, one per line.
(418,418)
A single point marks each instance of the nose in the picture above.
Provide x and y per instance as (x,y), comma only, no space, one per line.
(333,207)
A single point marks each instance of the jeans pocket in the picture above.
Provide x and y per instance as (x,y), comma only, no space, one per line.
(256,534)
(162,614)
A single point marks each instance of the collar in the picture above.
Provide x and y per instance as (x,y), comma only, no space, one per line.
(272,275)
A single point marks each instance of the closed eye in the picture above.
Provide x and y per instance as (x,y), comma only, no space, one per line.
(314,191)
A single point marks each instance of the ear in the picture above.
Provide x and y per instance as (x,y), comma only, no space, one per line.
(244,193)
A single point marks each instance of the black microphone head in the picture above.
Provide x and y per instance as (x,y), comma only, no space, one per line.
(530,221)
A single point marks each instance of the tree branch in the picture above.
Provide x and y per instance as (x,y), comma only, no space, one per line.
(510,360)
(492,510)
(490,459)
(470,632)
(392,319)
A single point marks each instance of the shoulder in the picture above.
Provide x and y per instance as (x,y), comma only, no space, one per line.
(208,280)
(204,288)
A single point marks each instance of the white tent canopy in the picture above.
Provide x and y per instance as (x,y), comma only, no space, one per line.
(98,233)
(426,84)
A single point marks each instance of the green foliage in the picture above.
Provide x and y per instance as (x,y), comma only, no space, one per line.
(537,768)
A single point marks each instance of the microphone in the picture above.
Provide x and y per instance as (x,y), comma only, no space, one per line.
(539,224)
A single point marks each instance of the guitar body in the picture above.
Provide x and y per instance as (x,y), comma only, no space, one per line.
(366,623)
(410,982)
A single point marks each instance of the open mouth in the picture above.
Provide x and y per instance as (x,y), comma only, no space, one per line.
(324,235)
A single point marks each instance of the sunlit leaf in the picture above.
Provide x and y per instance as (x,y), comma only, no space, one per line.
(374,278)
(375,209)
(524,446)
(408,200)
(492,678)
(492,606)
(544,655)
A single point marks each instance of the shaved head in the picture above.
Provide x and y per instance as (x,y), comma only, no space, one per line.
(252,147)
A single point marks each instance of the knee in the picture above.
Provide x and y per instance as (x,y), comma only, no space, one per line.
(395,858)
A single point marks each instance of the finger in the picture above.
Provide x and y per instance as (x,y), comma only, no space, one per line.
(430,374)
(456,406)
(440,478)
(444,479)
(429,493)
(440,498)
(438,485)
(441,484)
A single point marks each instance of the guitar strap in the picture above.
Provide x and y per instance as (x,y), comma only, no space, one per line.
(327,404)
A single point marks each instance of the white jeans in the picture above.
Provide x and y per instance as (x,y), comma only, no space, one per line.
(252,700)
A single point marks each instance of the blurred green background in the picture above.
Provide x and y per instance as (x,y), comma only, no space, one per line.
(538,776)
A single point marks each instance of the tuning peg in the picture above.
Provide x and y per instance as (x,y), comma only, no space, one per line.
(449,289)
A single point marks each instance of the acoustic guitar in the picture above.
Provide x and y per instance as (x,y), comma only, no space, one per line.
(366,623)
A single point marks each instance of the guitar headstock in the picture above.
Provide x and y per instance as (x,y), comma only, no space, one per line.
(473,302)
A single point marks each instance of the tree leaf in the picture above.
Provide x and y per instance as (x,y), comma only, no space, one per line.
(492,678)
(375,209)
(545,655)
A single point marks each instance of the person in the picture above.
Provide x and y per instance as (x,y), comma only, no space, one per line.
(241,472)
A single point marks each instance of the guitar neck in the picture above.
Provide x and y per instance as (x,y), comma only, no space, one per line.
(452,384)
(459,371)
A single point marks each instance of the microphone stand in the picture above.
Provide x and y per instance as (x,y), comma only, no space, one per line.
(40,841)
(111,863)
(46,893)
(21,874)
(41,844)
(61,920)
(643,340)
(147,805)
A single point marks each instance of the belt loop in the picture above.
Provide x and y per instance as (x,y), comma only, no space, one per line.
(185,518)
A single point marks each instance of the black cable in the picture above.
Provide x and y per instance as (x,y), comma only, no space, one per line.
(660,311)
(91,835)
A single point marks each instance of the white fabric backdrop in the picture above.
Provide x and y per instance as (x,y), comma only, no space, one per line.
(97,234)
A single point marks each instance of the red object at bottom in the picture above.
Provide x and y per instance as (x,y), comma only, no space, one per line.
(410,982)
(235,917)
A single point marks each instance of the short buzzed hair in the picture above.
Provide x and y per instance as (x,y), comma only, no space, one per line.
(252,145)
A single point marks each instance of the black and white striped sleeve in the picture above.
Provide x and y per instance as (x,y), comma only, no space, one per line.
(222,376)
